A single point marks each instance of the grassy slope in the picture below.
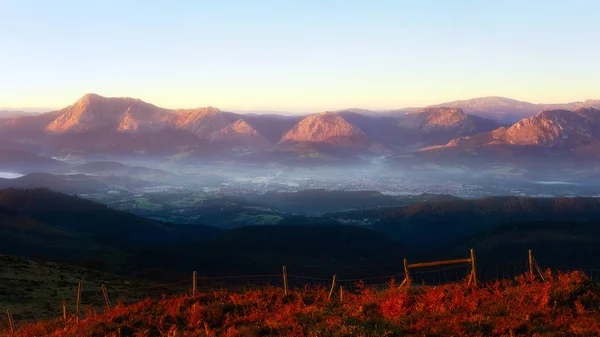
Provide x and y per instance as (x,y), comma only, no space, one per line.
(33,289)
(566,305)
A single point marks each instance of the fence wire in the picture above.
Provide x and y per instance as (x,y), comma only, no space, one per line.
(92,299)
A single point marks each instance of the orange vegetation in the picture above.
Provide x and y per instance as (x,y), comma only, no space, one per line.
(564,305)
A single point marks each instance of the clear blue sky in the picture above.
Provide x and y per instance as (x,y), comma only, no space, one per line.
(297,55)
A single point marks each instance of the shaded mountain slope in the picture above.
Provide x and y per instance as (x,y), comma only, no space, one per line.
(56,226)
(424,225)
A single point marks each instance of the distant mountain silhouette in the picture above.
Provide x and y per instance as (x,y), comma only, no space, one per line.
(509,111)
(22,161)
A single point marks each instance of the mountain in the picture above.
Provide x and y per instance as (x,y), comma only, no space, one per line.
(93,112)
(427,224)
(508,111)
(271,126)
(554,243)
(123,114)
(588,103)
(72,183)
(321,201)
(326,129)
(239,134)
(14,113)
(318,250)
(96,124)
(104,126)
(557,145)
(501,109)
(562,128)
(113,168)
(434,125)
(202,122)
(27,127)
(25,162)
(52,225)
(380,129)
(58,281)
(410,131)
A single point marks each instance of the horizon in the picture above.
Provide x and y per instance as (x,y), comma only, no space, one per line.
(298,58)
(40,110)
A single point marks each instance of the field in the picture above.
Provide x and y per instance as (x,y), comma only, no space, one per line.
(563,305)
(34,290)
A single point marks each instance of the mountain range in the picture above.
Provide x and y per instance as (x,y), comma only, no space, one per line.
(509,111)
(96,125)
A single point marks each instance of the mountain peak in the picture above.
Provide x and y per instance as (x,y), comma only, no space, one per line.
(90,96)
(328,128)
(239,134)
(201,121)
(95,98)
(93,111)
(434,117)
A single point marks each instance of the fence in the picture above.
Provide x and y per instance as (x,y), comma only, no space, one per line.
(415,274)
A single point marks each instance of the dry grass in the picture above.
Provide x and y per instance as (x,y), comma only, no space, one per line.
(565,305)
(35,290)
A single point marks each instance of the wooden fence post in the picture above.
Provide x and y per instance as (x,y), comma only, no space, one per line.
(64,310)
(539,270)
(285,281)
(341,293)
(106,298)
(531,274)
(11,323)
(332,287)
(406,280)
(473,268)
(194,283)
(78,301)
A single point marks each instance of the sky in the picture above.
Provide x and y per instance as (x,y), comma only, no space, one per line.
(297,56)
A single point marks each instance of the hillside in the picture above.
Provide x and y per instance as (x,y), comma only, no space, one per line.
(113,168)
(312,248)
(35,289)
(42,223)
(22,161)
(319,201)
(424,225)
(555,243)
(83,183)
(566,305)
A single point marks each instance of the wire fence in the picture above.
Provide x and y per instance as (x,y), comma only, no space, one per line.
(92,298)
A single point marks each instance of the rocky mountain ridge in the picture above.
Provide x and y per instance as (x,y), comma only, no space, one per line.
(561,128)
(126,126)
